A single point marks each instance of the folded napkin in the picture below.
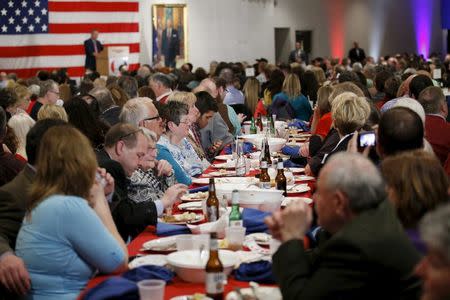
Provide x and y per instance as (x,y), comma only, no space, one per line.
(291,150)
(164,229)
(299,124)
(260,271)
(254,220)
(246,147)
(125,287)
(290,164)
(199,189)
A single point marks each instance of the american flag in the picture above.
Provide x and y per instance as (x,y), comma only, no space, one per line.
(49,34)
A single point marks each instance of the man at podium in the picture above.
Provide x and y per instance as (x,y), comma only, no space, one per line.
(92,47)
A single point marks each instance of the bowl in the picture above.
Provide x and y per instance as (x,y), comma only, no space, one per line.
(191,268)
(275,144)
(261,199)
(226,189)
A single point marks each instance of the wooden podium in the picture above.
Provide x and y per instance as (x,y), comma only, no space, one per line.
(111,58)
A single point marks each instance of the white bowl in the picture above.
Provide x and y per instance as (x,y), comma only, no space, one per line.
(253,138)
(226,189)
(275,144)
(262,199)
(191,268)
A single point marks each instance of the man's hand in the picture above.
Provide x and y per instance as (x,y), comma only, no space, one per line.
(108,180)
(164,168)
(352,146)
(14,275)
(173,194)
(241,117)
(216,146)
(291,223)
(304,149)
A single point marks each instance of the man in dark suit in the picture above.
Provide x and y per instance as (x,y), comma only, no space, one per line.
(356,54)
(92,47)
(125,144)
(14,277)
(170,44)
(362,252)
(298,54)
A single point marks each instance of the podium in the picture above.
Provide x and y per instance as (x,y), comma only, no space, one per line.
(111,58)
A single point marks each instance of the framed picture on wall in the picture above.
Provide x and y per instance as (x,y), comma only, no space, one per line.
(169,34)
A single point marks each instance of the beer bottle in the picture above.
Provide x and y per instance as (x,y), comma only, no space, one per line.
(272,127)
(267,151)
(280,179)
(264,178)
(241,164)
(214,271)
(253,129)
(259,123)
(235,215)
(212,203)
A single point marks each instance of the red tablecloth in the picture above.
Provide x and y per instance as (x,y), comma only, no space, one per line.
(179,287)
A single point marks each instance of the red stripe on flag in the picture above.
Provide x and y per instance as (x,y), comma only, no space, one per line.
(93,6)
(102,27)
(51,50)
(72,71)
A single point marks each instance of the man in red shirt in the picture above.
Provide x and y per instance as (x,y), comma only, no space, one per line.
(437,130)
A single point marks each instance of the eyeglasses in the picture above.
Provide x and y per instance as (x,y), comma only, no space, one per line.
(128,134)
(56,93)
(188,123)
(153,118)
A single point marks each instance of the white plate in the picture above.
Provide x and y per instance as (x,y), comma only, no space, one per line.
(200,180)
(289,200)
(188,297)
(221,173)
(263,293)
(297,170)
(162,244)
(261,238)
(197,205)
(247,180)
(224,157)
(226,165)
(197,219)
(194,196)
(299,188)
(152,259)
(303,178)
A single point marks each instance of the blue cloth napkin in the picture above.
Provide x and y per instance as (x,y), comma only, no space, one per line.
(260,271)
(164,229)
(292,151)
(199,189)
(299,124)
(290,164)
(253,220)
(246,147)
(125,287)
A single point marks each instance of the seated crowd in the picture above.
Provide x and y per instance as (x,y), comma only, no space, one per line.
(86,168)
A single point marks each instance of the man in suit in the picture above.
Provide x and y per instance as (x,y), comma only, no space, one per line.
(161,84)
(92,47)
(437,129)
(356,54)
(298,55)
(170,44)
(362,252)
(14,277)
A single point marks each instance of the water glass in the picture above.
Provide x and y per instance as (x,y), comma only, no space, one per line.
(235,236)
(185,242)
(151,289)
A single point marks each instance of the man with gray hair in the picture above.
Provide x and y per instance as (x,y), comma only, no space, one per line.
(363,251)
(109,111)
(434,268)
(232,95)
(161,84)
(48,94)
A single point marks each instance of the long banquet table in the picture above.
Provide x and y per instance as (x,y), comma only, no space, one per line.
(179,287)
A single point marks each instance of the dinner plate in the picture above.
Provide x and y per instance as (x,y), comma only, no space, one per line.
(297,170)
(226,165)
(221,173)
(202,180)
(194,196)
(260,238)
(151,259)
(263,293)
(303,178)
(196,205)
(164,244)
(289,200)
(224,157)
(299,188)
(191,297)
(198,218)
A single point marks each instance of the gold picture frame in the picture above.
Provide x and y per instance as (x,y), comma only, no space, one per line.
(169,29)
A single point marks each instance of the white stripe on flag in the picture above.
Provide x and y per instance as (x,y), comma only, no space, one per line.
(94,17)
(51,61)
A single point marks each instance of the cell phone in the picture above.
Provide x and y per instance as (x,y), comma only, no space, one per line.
(366,139)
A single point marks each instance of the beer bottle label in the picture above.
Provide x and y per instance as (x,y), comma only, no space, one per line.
(236,223)
(265,185)
(211,212)
(214,283)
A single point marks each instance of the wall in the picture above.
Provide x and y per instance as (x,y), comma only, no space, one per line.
(232,30)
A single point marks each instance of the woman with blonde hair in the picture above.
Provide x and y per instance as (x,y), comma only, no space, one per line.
(252,100)
(52,111)
(68,232)
(291,103)
(417,184)
(21,123)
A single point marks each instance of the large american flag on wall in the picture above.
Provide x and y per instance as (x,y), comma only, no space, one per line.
(49,34)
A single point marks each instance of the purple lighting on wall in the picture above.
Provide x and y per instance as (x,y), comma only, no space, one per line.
(423,14)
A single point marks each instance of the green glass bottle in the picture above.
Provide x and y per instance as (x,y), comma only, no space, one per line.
(235,215)
(253,129)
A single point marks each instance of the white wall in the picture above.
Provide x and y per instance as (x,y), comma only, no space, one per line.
(242,30)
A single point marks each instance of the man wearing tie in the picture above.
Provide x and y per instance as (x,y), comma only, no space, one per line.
(298,54)
(170,45)
(92,47)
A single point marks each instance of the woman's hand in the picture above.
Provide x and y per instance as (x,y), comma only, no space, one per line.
(164,168)
(173,194)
